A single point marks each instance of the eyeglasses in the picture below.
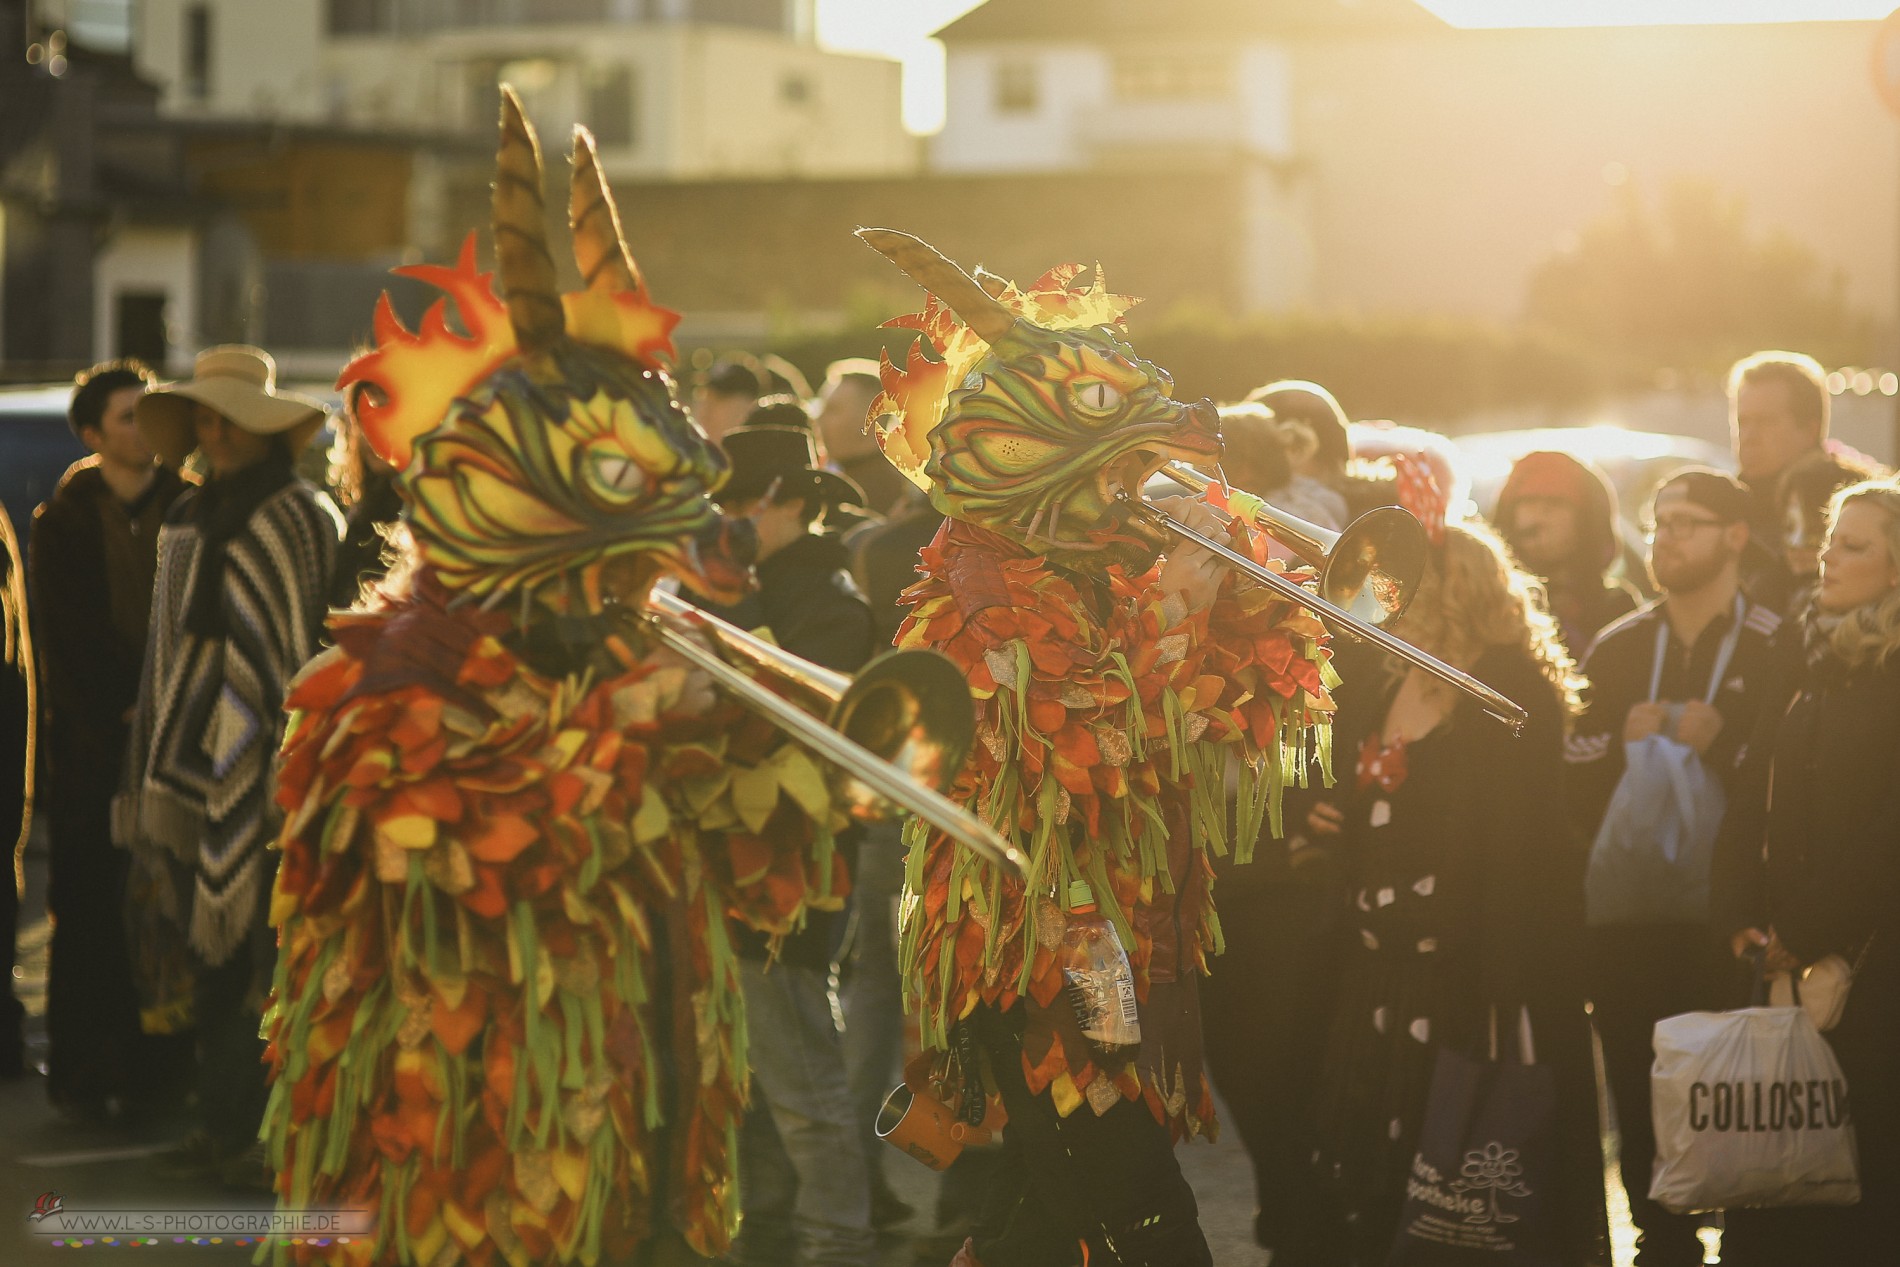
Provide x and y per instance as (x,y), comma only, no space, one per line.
(1678,526)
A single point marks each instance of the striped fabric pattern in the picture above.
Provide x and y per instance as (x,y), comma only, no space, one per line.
(211,710)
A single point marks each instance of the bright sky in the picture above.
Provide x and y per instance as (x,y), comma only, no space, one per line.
(901,28)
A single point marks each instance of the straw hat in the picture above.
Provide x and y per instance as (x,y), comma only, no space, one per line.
(238,381)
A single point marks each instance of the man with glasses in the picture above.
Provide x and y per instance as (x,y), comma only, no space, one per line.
(1679,679)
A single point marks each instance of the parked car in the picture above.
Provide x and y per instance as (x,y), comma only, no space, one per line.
(36,447)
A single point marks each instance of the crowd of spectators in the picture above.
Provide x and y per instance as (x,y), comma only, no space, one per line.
(1428,887)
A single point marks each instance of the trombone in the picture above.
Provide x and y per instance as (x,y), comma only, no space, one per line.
(900,729)
(1374,566)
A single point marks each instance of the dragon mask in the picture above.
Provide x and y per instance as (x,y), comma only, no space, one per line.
(540,448)
(1034,413)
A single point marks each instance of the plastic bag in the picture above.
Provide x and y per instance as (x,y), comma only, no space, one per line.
(1650,862)
(1750,1109)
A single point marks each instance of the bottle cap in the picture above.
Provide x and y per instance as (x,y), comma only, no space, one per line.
(1081,895)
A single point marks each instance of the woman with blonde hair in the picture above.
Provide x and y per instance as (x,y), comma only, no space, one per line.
(1465,892)
(1807,866)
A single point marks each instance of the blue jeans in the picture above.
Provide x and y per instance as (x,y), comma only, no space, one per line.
(802,1185)
(872,997)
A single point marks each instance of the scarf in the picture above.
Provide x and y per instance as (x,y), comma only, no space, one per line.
(1819,627)
(221,510)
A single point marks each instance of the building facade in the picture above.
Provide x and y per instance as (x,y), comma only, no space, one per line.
(672,89)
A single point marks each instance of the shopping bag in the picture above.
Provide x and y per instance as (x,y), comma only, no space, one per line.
(1480,1187)
(1651,858)
(1750,1109)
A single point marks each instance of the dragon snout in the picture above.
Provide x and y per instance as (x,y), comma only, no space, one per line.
(723,551)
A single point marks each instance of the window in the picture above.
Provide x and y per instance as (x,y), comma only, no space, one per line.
(1172,77)
(613,107)
(1017,89)
(138,326)
(361,17)
(198,52)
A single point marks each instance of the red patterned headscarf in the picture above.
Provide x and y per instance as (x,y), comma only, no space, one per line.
(1421,494)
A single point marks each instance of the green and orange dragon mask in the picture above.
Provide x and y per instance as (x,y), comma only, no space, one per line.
(540,449)
(1030,415)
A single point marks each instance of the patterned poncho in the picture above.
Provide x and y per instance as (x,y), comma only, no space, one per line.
(507,1016)
(1106,716)
(233,620)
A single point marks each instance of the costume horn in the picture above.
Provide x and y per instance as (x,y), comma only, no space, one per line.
(522,262)
(921,262)
(600,248)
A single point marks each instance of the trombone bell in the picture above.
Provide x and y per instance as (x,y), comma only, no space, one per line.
(899,731)
(1370,571)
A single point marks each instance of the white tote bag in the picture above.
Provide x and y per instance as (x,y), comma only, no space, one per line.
(1750,1109)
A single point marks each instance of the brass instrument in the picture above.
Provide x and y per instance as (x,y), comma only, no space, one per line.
(900,729)
(1364,562)
(1370,570)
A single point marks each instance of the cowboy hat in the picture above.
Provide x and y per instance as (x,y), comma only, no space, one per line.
(240,383)
(764,455)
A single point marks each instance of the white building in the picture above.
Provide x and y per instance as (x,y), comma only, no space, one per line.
(1072,85)
(672,89)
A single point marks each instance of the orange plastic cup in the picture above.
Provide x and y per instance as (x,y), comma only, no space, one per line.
(923,1127)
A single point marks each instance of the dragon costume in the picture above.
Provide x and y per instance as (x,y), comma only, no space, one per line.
(1107,709)
(506,1018)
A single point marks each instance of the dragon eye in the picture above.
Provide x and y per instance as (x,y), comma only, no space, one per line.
(616,474)
(1097,396)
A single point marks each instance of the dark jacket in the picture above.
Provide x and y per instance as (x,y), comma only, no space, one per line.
(92,561)
(1499,885)
(1821,865)
(359,560)
(1810,852)
(1619,666)
(807,598)
(1766,577)
(885,557)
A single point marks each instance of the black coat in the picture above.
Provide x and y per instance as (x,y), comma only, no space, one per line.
(807,598)
(1813,851)
(1466,893)
(92,563)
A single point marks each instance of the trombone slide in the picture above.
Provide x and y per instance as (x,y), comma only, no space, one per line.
(883,780)
(1506,711)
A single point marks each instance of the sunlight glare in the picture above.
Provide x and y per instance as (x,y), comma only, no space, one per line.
(1495,13)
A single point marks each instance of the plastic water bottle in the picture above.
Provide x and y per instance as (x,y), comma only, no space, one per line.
(1101,985)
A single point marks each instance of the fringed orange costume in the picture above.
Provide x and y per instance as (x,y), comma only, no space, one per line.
(506,1017)
(1107,710)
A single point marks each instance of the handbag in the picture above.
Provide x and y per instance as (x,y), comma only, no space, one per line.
(1481,1183)
(1820,989)
(1651,858)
